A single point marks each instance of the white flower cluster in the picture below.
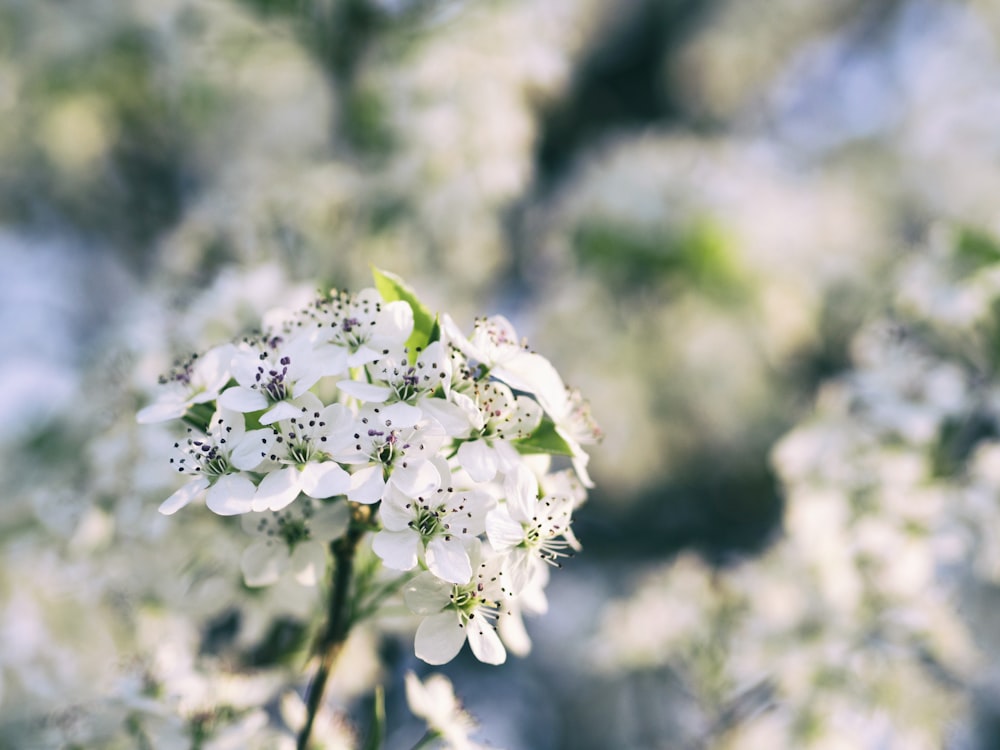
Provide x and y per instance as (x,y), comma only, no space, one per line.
(368,399)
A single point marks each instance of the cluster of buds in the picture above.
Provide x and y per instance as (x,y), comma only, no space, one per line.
(369,401)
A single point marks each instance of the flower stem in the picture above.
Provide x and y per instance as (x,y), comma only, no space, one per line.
(339,617)
(426,740)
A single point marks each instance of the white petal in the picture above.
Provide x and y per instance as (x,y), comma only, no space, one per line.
(397,511)
(514,634)
(366,392)
(507,457)
(213,368)
(367,485)
(183,496)
(362,356)
(281,410)
(264,562)
(484,641)
(478,459)
(416,478)
(277,489)
(393,323)
(439,638)
(242,399)
(400,415)
(453,418)
(521,488)
(520,568)
(231,495)
(427,594)
(398,549)
(308,562)
(580,462)
(531,372)
(329,520)
(502,530)
(326,479)
(244,366)
(329,360)
(162,410)
(448,560)
(251,449)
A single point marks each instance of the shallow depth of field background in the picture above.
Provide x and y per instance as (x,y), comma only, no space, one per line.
(692,208)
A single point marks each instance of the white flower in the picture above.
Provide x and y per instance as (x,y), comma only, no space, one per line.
(361,324)
(298,448)
(497,417)
(529,528)
(293,539)
(399,375)
(273,372)
(456,612)
(436,527)
(434,701)
(197,381)
(391,444)
(495,346)
(214,462)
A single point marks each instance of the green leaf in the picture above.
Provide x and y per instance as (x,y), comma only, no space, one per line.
(975,250)
(199,416)
(376,733)
(393,288)
(544,439)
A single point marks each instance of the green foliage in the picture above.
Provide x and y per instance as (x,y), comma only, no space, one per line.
(544,439)
(975,250)
(698,255)
(376,734)
(425,325)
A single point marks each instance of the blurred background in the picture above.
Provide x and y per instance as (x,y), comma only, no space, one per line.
(758,235)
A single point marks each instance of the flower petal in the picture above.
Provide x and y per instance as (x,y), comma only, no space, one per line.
(427,594)
(398,549)
(231,495)
(514,634)
(453,418)
(264,562)
(242,399)
(251,450)
(329,520)
(366,392)
(277,489)
(439,638)
(484,641)
(478,459)
(448,560)
(326,479)
(367,485)
(162,410)
(183,496)
(281,410)
(415,478)
(308,562)
(521,489)
(396,511)
(502,530)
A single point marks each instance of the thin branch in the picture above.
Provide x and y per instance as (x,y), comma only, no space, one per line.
(339,616)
